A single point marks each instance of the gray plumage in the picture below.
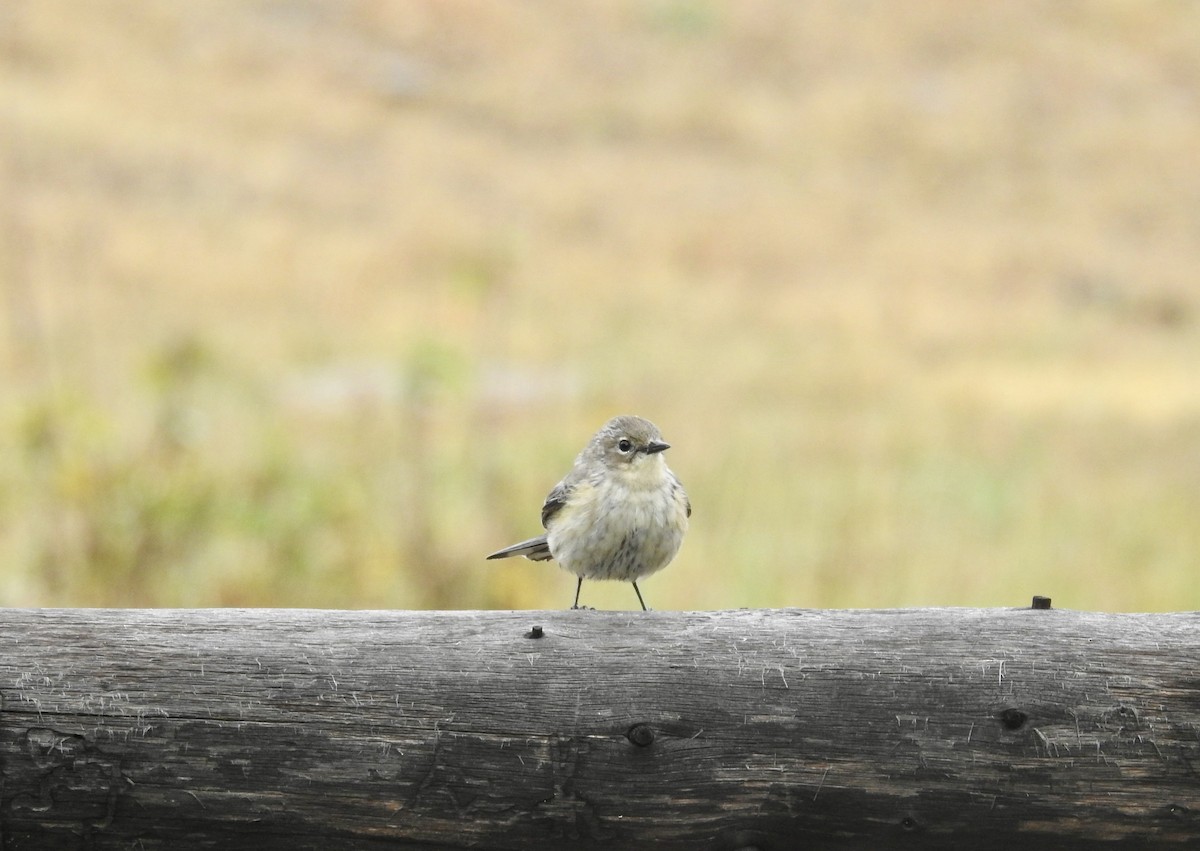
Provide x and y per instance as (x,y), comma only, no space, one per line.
(620,513)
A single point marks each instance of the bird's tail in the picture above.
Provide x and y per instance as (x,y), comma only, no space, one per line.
(535,548)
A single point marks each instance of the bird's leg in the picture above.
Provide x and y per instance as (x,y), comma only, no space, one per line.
(578,587)
(640,600)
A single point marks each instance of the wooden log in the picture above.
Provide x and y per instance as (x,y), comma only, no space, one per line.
(768,729)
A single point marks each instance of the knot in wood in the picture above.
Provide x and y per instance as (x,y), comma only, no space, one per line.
(1013,719)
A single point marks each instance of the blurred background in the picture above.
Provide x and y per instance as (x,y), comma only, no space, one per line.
(310,302)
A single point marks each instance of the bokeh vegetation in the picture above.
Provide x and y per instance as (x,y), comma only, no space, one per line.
(310,302)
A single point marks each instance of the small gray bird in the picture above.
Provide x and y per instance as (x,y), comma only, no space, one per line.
(619,514)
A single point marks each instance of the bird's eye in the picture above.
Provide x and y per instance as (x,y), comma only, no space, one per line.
(624,445)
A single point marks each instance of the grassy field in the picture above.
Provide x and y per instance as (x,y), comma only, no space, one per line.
(309,303)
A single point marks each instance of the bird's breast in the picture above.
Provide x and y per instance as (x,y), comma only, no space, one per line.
(608,530)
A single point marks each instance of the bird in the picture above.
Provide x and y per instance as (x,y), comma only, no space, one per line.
(619,514)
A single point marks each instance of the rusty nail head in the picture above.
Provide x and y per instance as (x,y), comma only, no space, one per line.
(641,735)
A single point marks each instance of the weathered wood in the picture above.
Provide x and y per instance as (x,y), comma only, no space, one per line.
(286,729)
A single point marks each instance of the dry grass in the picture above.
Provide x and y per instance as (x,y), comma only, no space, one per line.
(309,303)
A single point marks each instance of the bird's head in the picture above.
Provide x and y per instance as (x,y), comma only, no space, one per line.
(629,445)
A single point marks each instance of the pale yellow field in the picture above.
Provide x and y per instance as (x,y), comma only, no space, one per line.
(310,302)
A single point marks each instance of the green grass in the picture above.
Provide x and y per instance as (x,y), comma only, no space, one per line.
(308,304)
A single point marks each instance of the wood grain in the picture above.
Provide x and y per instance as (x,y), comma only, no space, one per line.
(768,729)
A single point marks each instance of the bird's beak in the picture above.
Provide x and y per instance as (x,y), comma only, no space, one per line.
(656,446)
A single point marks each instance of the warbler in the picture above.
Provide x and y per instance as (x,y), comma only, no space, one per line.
(619,514)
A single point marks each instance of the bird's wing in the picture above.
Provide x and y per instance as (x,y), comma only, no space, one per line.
(556,499)
(678,485)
